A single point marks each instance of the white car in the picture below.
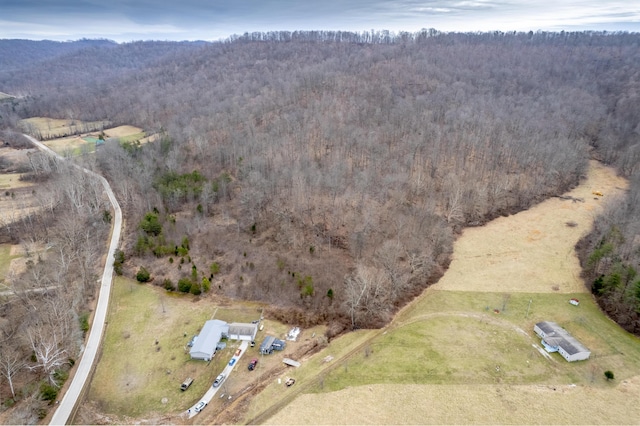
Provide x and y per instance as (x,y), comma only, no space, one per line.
(218,381)
(200,406)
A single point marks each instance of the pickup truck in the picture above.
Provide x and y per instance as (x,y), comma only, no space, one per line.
(252,364)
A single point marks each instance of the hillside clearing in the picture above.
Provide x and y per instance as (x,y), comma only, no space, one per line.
(532,251)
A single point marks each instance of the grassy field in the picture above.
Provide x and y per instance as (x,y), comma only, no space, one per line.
(11,181)
(135,374)
(86,142)
(5,263)
(53,127)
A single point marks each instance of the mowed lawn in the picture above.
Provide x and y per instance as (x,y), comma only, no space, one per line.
(135,374)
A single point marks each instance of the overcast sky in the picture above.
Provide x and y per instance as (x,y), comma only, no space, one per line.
(127,20)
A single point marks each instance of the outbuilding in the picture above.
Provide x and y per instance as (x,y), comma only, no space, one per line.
(243,331)
(557,339)
(270,343)
(204,347)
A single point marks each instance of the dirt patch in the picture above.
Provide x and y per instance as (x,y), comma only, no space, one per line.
(532,251)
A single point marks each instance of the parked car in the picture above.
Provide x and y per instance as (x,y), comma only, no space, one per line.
(218,381)
(252,364)
(200,406)
(238,352)
(253,343)
(185,385)
(232,362)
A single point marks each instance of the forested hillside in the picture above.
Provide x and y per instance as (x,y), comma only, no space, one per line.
(329,172)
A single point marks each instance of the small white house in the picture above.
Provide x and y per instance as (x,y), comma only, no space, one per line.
(557,339)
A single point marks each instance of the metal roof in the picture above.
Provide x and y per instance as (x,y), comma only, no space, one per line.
(558,336)
(208,338)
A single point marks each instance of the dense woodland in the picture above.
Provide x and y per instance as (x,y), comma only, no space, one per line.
(327,173)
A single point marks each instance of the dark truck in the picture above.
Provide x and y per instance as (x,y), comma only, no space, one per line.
(252,364)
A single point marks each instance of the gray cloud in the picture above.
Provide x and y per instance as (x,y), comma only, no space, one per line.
(212,19)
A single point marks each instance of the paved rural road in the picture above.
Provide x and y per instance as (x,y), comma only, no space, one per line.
(212,391)
(64,410)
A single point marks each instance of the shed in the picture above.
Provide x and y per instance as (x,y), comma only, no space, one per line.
(557,339)
(243,331)
(205,345)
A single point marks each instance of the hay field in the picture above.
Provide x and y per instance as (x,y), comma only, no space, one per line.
(86,142)
(532,251)
(467,404)
(122,131)
(55,128)
(448,358)
(17,198)
(9,181)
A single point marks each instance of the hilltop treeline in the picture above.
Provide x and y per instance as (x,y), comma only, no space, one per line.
(347,158)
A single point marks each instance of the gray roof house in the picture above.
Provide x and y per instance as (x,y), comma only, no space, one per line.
(270,343)
(557,339)
(205,345)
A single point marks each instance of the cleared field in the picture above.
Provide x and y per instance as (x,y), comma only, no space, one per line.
(5,262)
(16,200)
(532,251)
(53,127)
(468,404)
(135,374)
(123,131)
(465,351)
(12,180)
(86,142)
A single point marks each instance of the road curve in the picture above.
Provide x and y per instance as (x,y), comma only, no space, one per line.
(66,406)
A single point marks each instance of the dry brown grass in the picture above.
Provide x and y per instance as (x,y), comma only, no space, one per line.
(532,251)
(467,404)
(53,127)
(122,131)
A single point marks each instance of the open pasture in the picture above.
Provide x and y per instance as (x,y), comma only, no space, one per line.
(532,251)
(49,128)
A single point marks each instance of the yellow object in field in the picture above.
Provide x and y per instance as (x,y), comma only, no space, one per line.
(598,193)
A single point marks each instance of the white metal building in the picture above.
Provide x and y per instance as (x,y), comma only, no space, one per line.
(557,339)
(242,331)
